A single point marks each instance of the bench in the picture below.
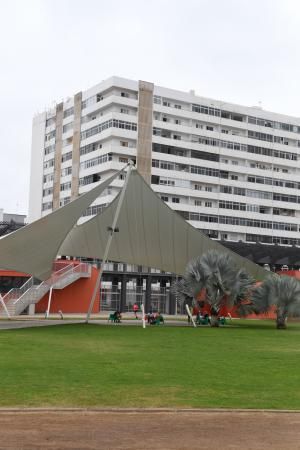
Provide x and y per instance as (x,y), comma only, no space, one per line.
(113,319)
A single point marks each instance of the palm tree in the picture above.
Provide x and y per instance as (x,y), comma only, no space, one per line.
(223,281)
(283,292)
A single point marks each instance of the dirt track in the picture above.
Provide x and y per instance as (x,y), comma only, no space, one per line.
(85,430)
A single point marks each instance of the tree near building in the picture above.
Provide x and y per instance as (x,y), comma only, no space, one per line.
(281,292)
(225,284)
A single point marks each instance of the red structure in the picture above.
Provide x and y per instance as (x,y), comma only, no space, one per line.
(74,298)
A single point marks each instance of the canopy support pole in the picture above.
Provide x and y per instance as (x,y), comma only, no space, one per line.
(112,230)
(49,302)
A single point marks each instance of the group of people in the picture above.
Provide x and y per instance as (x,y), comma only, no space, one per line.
(201,314)
(153,318)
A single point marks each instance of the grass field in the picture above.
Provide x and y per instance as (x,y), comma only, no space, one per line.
(248,365)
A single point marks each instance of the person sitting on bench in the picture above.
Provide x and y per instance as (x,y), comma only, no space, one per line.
(117,316)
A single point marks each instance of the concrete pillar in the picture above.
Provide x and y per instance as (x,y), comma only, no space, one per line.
(164,303)
(148,294)
(114,292)
(144,142)
(31,309)
(172,299)
(57,157)
(123,293)
(76,146)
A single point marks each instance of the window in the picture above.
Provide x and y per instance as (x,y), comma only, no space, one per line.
(164,198)
(208,188)
(204,155)
(96,161)
(177,121)
(48,178)
(99,98)
(226,189)
(124,111)
(95,209)
(124,143)
(224,236)
(66,157)
(64,201)
(49,149)
(224,131)
(48,164)
(166,104)
(50,121)
(175,200)
(68,112)
(90,148)
(208,204)
(234,177)
(125,94)
(66,171)
(46,206)
(65,186)
(94,178)
(106,125)
(67,127)
(50,135)
(209,128)
(198,202)
(177,106)
(123,160)
(47,191)
(176,136)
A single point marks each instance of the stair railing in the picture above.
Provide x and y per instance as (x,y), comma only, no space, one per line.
(16,293)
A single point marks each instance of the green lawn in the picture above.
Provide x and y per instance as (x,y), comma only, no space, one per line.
(248,365)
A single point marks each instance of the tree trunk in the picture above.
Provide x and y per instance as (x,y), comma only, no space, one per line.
(214,321)
(281,322)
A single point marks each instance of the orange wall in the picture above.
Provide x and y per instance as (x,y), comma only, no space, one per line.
(74,298)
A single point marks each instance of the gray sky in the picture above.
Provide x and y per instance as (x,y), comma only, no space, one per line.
(242,51)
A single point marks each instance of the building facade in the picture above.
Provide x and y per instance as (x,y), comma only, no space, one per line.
(10,222)
(230,170)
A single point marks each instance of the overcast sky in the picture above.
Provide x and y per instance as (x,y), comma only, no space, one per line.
(241,51)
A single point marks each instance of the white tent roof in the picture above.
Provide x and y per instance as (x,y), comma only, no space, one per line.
(33,248)
(150,234)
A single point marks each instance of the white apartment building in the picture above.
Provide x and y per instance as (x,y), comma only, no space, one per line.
(232,171)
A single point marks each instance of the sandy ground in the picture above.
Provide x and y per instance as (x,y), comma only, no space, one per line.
(176,429)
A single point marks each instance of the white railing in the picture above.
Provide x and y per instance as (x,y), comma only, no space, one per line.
(16,293)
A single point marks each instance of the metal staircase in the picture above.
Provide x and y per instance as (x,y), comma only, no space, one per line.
(18,299)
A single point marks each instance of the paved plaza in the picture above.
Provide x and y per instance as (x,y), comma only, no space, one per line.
(40,321)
